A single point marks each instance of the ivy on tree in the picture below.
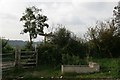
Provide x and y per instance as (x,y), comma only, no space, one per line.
(34,22)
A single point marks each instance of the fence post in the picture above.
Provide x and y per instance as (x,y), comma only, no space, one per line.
(62,69)
(36,55)
(17,57)
(36,58)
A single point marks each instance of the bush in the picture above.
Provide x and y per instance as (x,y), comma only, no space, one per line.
(5,46)
(110,66)
(73,60)
(49,54)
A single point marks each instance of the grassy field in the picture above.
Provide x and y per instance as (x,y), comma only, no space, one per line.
(110,68)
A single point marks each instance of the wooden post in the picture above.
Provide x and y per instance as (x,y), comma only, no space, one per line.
(17,57)
(36,59)
(62,69)
(36,55)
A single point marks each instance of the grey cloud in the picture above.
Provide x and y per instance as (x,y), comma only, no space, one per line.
(75,20)
(7,16)
(98,6)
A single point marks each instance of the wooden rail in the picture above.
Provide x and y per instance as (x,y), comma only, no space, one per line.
(7,61)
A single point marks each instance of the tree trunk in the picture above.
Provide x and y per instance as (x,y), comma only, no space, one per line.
(30,41)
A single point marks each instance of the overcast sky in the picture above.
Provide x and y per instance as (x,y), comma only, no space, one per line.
(75,15)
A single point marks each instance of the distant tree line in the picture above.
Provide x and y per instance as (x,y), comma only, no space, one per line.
(5,46)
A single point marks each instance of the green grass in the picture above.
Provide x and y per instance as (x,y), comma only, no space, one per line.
(44,71)
(109,68)
(38,72)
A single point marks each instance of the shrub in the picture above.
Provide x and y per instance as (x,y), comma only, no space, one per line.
(48,54)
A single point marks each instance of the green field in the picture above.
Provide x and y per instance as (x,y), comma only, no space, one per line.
(109,68)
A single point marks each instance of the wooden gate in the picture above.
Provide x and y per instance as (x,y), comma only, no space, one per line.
(26,59)
(23,59)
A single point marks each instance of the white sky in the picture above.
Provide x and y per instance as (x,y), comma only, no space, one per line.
(75,15)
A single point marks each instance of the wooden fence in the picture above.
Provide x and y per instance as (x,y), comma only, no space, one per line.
(23,59)
(7,61)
